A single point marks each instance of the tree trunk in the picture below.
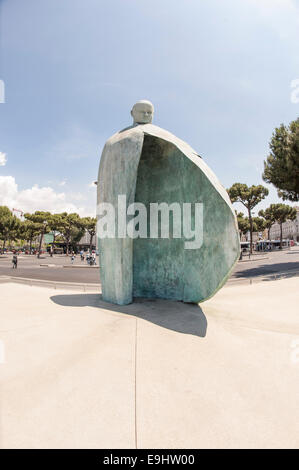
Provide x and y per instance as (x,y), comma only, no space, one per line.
(269,233)
(40,244)
(250,229)
(280,246)
(90,244)
(52,249)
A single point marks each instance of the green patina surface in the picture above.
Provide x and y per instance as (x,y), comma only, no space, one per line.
(151,165)
(163,268)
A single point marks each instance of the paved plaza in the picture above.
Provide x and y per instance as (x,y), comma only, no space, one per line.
(81,373)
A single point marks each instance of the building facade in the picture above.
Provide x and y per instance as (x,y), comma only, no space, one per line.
(290,229)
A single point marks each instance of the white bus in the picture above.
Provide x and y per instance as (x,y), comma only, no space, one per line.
(270,245)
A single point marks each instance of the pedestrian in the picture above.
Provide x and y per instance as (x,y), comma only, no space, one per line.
(14,261)
(72,258)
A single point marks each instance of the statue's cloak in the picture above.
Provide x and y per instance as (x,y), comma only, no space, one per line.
(150,165)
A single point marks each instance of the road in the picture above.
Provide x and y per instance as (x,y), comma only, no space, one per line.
(31,267)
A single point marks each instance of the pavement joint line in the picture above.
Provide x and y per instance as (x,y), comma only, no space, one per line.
(51,265)
(253,260)
(49,283)
(78,266)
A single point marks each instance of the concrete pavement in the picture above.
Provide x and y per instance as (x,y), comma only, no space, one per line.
(79,372)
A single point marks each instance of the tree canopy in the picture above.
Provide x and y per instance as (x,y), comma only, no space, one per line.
(258,223)
(249,196)
(68,228)
(71,228)
(243,223)
(89,224)
(281,167)
(42,220)
(9,225)
(268,219)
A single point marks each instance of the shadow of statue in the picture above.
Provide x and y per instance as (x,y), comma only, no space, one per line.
(173,315)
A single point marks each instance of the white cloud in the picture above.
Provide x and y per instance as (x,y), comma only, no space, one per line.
(3,159)
(37,198)
(62,183)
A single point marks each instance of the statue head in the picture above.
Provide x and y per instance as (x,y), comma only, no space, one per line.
(142,112)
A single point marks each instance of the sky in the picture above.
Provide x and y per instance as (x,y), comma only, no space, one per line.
(222,74)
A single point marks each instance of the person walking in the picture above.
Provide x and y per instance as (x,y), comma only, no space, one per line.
(14,261)
(72,258)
